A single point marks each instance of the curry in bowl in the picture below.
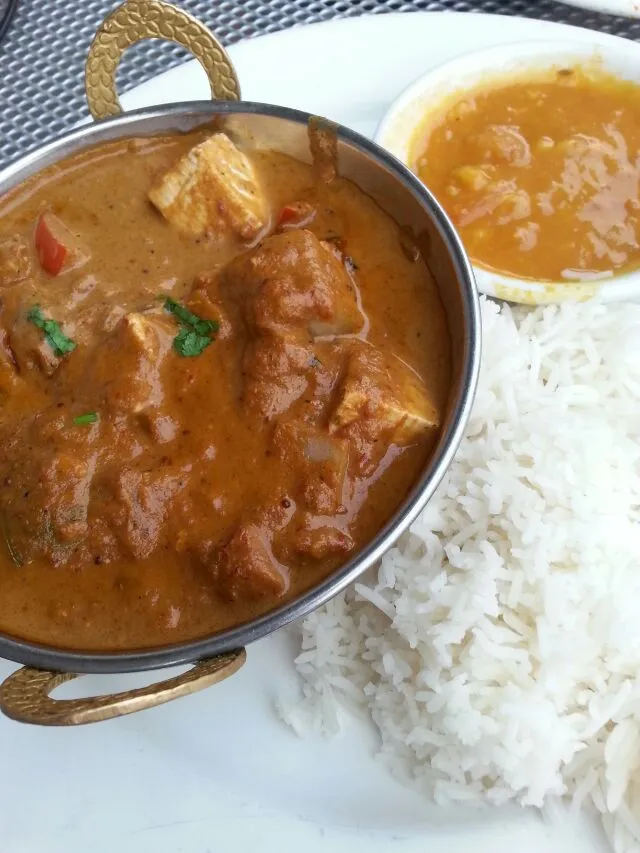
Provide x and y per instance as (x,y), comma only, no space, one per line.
(539,172)
(222,370)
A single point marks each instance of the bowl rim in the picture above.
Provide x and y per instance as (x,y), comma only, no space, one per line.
(486,64)
(71,660)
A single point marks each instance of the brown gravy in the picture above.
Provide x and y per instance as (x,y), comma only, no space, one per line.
(148,498)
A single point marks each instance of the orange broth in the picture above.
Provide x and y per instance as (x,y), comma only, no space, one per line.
(541,177)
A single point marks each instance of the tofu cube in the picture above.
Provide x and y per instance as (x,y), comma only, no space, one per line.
(212,191)
(138,346)
(380,397)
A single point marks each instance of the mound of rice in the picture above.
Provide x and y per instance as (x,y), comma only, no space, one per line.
(497,647)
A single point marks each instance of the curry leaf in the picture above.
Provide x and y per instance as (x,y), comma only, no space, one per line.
(53,334)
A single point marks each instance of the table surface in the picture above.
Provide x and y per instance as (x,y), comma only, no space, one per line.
(42,55)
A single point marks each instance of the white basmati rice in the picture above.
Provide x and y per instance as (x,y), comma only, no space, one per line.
(497,647)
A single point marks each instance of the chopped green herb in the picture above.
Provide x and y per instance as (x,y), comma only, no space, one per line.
(53,334)
(195,334)
(88,418)
(189,343)
(187,318)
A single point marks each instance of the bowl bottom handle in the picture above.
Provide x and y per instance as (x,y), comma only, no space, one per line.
(24,695)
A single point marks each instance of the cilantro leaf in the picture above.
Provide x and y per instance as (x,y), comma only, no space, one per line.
(188,342)
(187,318)
(88,418)
(195,334)
(53,334)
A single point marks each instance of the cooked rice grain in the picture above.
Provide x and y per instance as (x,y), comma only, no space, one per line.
(497,647)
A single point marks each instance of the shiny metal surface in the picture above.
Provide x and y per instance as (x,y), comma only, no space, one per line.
(42,55)
(7,11)
(424,221)
(25,696)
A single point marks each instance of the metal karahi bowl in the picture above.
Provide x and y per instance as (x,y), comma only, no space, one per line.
(25,694)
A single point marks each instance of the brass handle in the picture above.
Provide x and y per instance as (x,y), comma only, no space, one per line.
(136,20)
(24,696)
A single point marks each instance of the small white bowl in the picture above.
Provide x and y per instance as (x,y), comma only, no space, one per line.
(468,71)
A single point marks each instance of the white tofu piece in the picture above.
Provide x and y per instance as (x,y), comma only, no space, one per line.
(382,396)
(140,342)
(212,191)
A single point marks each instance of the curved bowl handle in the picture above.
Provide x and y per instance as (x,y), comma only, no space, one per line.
(24,696)
(136,20)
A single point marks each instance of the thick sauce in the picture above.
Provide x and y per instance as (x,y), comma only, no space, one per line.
(149,498)
(541,177)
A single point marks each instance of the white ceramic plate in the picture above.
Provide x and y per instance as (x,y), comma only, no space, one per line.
(217,772)
(631,8)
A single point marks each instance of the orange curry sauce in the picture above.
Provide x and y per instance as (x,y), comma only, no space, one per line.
(540,176)
(149,495)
